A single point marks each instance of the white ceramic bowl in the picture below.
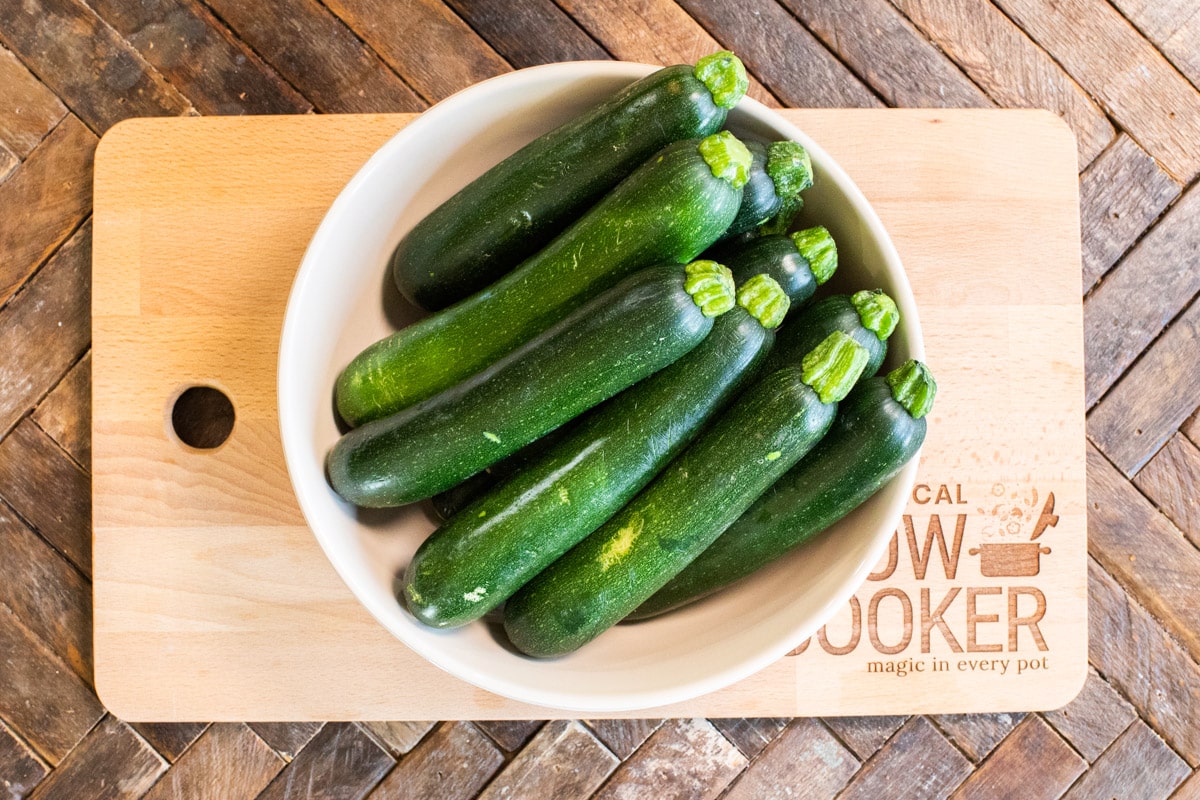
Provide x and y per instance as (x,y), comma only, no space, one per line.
(342,300)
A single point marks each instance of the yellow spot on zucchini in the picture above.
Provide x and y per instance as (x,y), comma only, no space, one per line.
(619,546)
(475,595)
(491,437)
(774,454)
(564,497)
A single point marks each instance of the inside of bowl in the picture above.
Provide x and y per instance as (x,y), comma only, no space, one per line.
(343,301)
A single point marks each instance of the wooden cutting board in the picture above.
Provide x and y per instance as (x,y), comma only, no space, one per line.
(213,601)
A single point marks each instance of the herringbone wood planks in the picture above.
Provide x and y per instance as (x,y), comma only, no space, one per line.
(1123,75)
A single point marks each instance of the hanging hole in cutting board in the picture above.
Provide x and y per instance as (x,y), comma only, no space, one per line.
(202,417)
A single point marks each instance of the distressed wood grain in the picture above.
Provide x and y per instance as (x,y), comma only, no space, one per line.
(563,761)
(1120,195)
(1003,61)
(805,762)
(317,53)
(1153,398)
(20,768)
(8,162)
(1139,659)
(1138,766)
(41,698)
(1141,296)
(227,762)
(1031,763)
(977,734)
(170,739)
(30,462)
(685,759)
(398,737)
(651,32)
(340,763)
(510,734)
(1139,547)
(623,736)
(1190,789)
(286,738)
(1191,428)
(781,53)
(28,110)
(451,55)
(884,48)
(45,328)
(215,70)
(1172,482)
(1094,719)
(1109,58)
(99,75)
(865,735)
(750,735)
(111,763)
(66,412)
(529,33)
(1173,25)
(46,593)
(916,762)
(43,201)
(452,763)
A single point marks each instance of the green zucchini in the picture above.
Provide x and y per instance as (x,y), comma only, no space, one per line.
(779,172)
(799,262)
(633,330)
(513,209)
(880,426)
(869,317)
(499,542)
(610,573)
(668,211)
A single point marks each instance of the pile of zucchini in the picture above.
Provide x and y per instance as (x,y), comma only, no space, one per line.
(607,405)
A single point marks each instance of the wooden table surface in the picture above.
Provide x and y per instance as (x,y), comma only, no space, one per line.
(1123,74)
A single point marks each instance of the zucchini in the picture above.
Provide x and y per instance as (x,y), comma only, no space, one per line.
(499,542)
(610,573)
(638,327)
(513,209)
(879,428)
(799,262)
(869,317)
(779,172)
(668,211)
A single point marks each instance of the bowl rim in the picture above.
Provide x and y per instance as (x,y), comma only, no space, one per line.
(576,700)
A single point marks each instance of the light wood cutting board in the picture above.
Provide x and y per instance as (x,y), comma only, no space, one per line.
(213,601)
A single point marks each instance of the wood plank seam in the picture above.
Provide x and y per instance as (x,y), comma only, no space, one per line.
(66,101)
(578,27)
(1067,741)
(85,467)
(49,256)
(1141,713)
(836,55)
(1145,35)
(1103,112)
(1183,190)
(212,10)
(28,524)
(954,741)
(1143,354)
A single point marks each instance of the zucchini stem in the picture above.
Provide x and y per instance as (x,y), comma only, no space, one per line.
(913,387)
(789,168)
(817,247)
(727,157)
(711,286)
(724,75)
(765,300)
(877,311)
(833,367)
